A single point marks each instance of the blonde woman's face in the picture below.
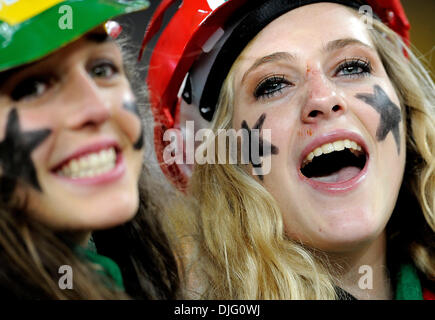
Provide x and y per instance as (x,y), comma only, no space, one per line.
(313,78)
(70,137)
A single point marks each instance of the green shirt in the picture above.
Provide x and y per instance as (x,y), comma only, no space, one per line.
(105,266)
(408,286)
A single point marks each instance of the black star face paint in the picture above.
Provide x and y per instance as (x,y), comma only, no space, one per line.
(390,114)
(16,149)
(262,144)
(132,107)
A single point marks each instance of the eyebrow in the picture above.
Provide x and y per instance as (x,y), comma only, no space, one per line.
(277,56)
(329,47)
(98,37)
(341,43)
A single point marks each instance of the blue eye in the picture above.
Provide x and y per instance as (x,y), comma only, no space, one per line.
(271,87)
(354,68)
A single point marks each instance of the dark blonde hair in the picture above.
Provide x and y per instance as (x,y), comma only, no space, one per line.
(235,240)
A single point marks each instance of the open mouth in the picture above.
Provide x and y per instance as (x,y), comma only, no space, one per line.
(334,162)
(89,165)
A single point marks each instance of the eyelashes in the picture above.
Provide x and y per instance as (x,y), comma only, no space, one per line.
(354,68)
(32,87)
(103,68)
(274,85)
(271,86)
(37,85)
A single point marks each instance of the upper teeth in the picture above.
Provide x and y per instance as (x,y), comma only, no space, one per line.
(90,165)
(338,145)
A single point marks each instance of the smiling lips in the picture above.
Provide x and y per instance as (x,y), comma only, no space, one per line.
(335,162)
(90,165)
(95,164)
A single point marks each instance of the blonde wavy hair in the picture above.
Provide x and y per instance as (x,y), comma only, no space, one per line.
(232,232)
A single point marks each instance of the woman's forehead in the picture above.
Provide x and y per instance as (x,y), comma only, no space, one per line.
(309,28)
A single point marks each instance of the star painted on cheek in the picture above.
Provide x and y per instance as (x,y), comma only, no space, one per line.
(390,114)
(16,149)
(262,144)
(132,107)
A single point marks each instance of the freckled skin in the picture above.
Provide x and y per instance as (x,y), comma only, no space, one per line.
(256,163)
(308,132)
(132,107)
(390,114)
(15,152)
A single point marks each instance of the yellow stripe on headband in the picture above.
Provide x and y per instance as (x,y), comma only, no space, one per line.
(16,11)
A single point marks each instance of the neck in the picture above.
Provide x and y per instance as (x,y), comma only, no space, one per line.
(80,238)
(363,273)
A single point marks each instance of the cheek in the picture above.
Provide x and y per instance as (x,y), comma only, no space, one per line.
(240,114)
(30,119)
(3,120)
(365,114)
(130,125)
(34,119)
(41,117)
(392,163)
(286,130)
(127,116)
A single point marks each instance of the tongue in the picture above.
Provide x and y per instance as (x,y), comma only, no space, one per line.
(341,175)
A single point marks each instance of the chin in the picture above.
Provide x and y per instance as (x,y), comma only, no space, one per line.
(119,213)
(92,216)
(339,231)
(348,238)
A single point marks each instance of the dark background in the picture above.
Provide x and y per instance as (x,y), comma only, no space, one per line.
(420,14)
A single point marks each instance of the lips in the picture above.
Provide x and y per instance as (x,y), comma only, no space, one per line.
(93,164)
(334,162)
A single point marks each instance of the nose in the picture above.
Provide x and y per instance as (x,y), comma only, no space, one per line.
(90,108)
(322,101)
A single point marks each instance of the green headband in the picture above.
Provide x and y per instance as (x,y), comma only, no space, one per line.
(30,30)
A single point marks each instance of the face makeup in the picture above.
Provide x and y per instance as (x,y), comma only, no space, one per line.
(389,112)
(336,185)
(84,169)
(260,146)
(16,148)
(132,107)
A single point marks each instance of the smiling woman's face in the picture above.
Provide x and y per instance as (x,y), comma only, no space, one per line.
(70,119)
(335,119)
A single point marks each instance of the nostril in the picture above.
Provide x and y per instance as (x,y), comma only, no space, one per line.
(336,108)
(89,124)
(313,113)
